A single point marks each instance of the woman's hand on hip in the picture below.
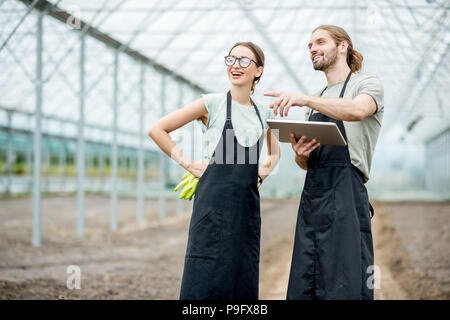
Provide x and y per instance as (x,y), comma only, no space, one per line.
(197,168)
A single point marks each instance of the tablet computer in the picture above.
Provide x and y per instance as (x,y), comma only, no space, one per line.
(327,133)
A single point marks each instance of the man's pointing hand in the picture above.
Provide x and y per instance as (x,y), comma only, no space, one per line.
(285,101)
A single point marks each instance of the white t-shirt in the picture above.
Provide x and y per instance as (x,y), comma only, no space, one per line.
(245,122)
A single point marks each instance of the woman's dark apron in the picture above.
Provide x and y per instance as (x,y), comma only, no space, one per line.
(333,240)
(222,256)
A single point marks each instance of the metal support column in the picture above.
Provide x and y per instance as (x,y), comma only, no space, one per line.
(140,175)
(114,153)
(80,149)
(9,154)
(162,158)
(29,174)
(36,237)
(46,156)
(62,164)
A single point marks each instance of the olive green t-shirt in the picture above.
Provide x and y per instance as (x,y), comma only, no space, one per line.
(362,135)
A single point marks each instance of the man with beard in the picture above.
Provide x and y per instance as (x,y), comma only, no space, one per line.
(333,250)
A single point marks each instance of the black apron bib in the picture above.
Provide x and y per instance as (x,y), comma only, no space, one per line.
(222,256)
(333,240)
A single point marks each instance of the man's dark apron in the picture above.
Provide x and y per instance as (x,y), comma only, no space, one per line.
(333,239)
(222,257)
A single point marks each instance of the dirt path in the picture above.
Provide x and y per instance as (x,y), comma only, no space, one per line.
(136,262)
(278,257)
(388,288)
(411,243)
(146,261)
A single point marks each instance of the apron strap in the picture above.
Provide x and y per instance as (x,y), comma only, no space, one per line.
(258,147)
(257,113)
(372,212)
(341,95)
(229,105)
(345,84)
(229,109)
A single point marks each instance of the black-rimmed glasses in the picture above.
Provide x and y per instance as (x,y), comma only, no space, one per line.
(244,62)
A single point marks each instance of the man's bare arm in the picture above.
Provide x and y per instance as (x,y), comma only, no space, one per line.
(301,161)
(362,106)
(302,148)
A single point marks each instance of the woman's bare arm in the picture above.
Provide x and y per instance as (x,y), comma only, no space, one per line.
(159,132)
(273,155)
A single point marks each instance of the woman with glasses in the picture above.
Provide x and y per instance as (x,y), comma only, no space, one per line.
(222,256)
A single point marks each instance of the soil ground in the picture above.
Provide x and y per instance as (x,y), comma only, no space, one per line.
(411,241)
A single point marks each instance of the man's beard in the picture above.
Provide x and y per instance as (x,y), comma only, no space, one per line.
(327,61)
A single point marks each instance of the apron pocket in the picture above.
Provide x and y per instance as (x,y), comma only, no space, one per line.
(205,234)
(319,208)
(364,214)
